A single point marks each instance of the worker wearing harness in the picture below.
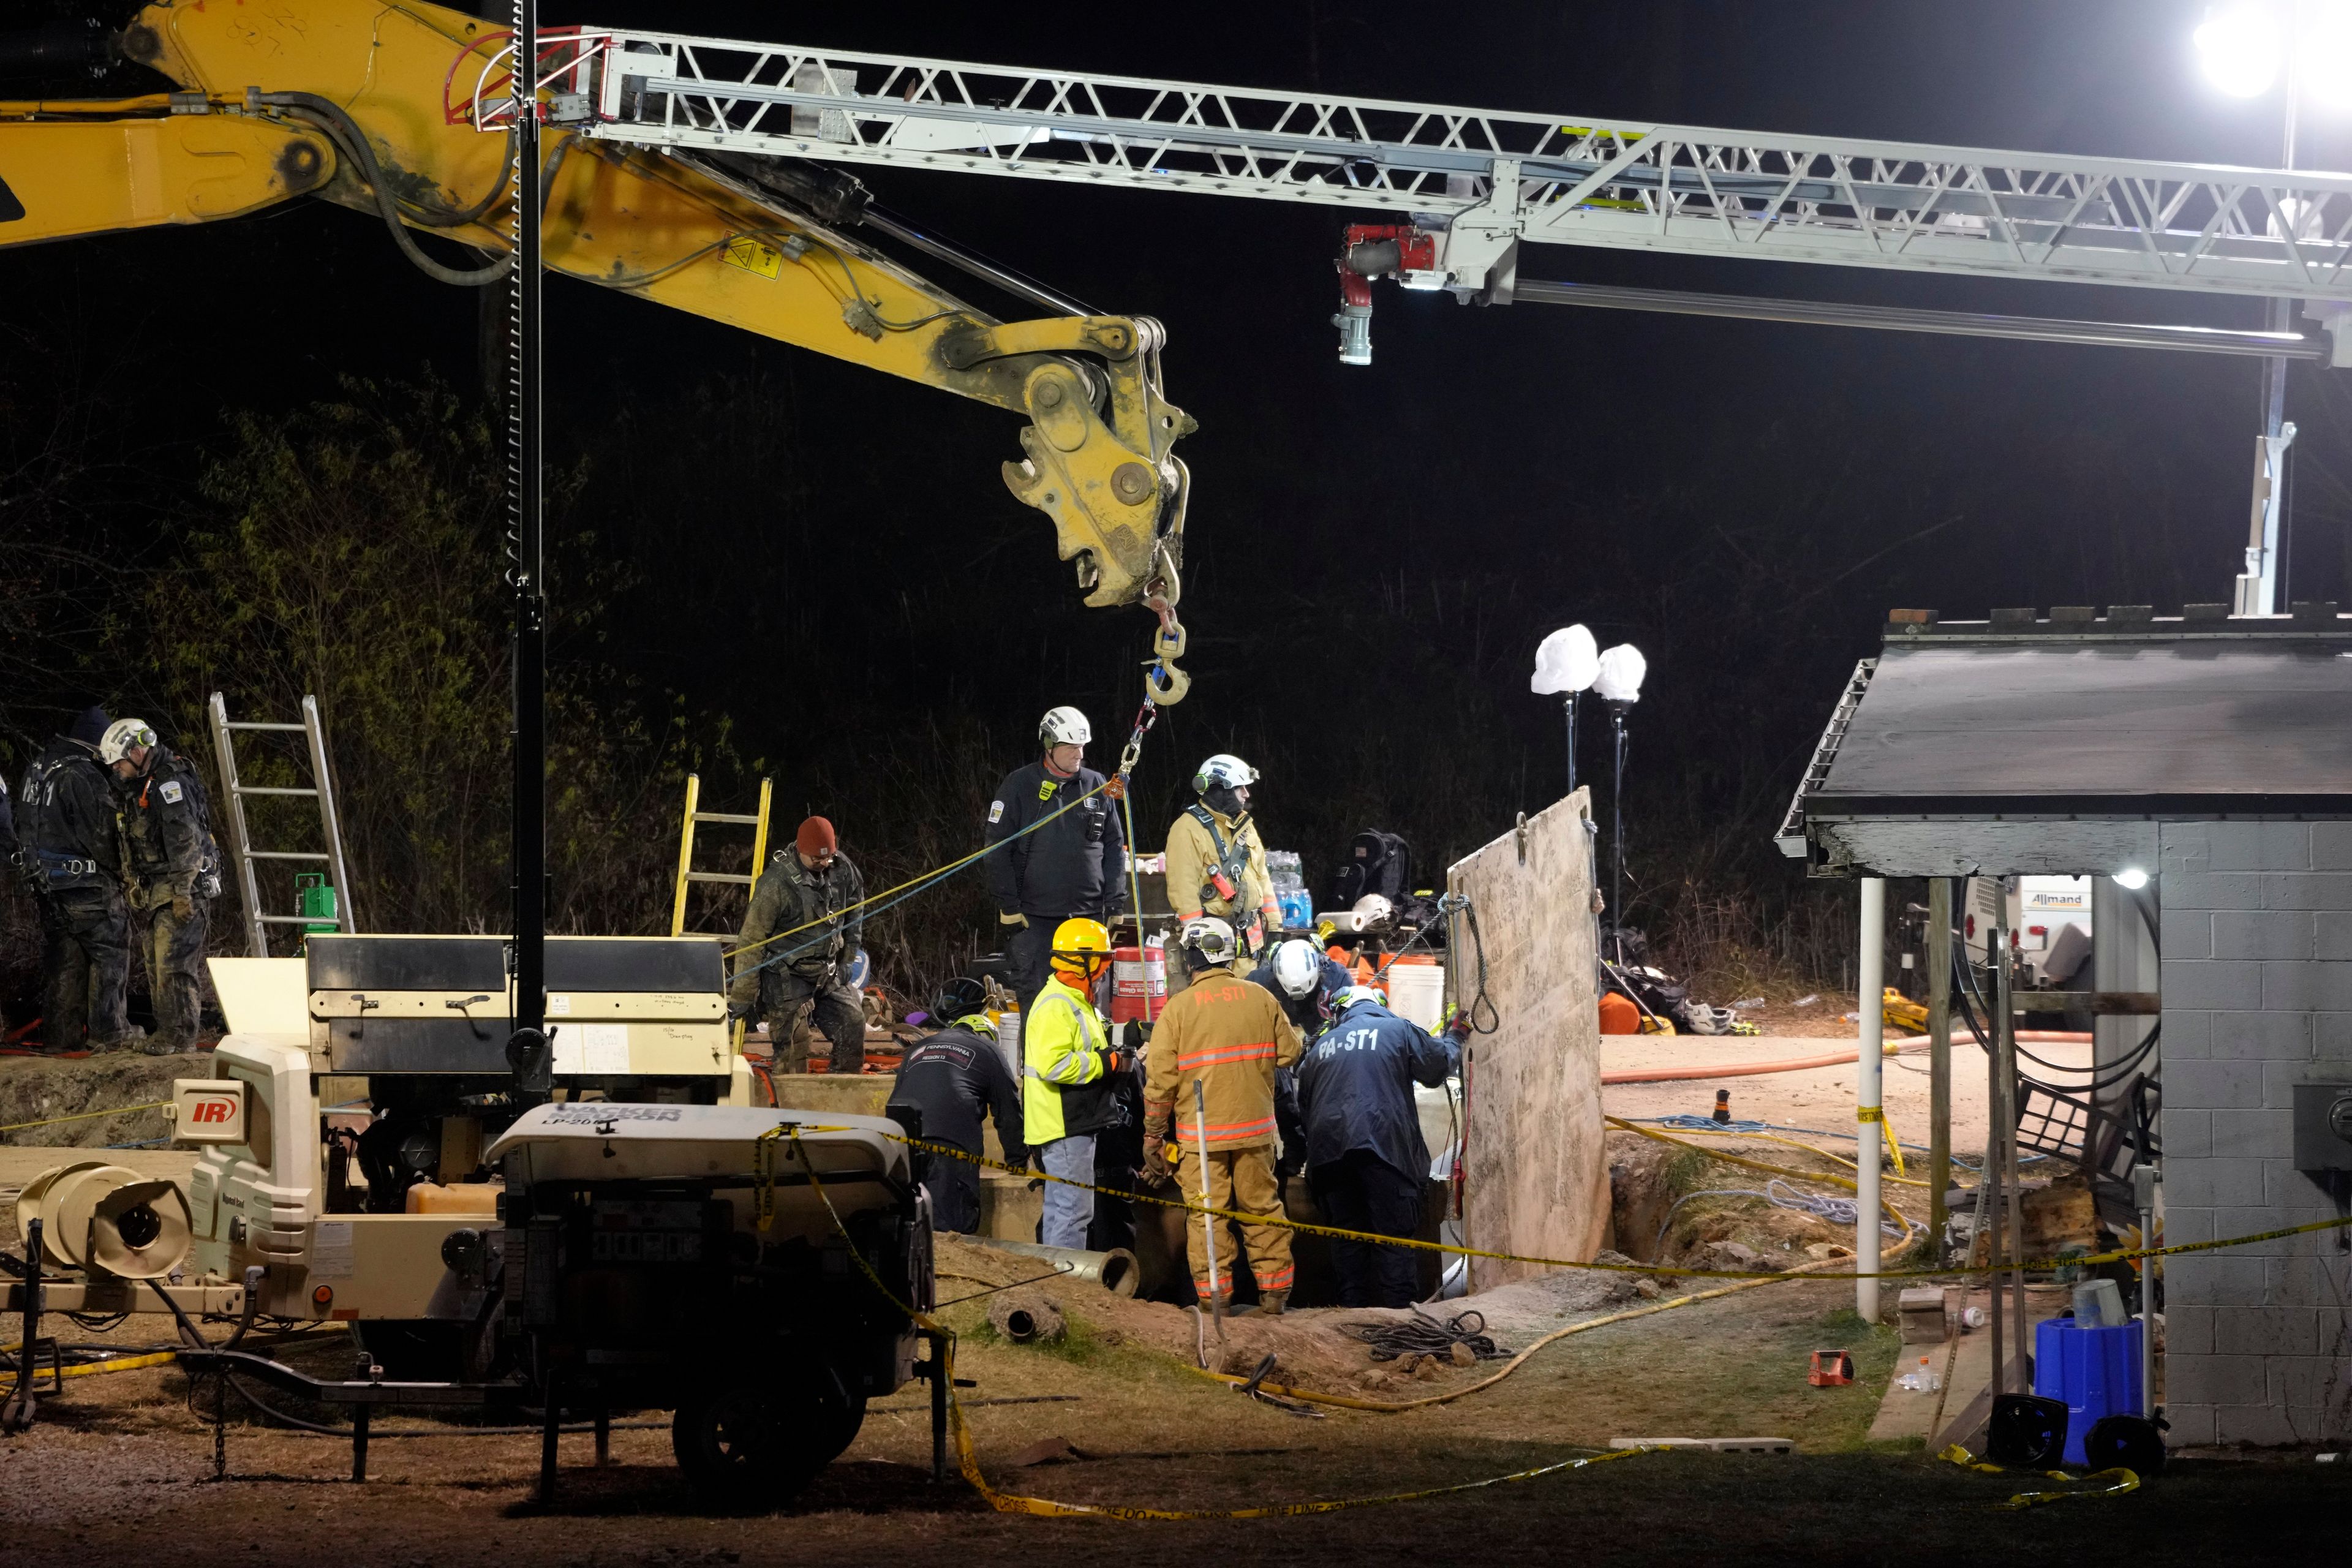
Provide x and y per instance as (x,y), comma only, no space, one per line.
(1216,863)
(813,891)
(1228,1037)
(67,824)
(1367,1163)
(1073,866)
(1067,1066)
(955,1078)
(174,873)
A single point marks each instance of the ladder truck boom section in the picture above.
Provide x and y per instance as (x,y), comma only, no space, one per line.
(1463,189)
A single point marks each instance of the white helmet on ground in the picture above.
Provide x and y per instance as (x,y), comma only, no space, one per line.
(114,746)
(1064,727)
(1224,769)
(1298,968)
(1210,937)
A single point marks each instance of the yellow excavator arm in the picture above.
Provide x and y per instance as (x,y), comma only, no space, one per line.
(351,101)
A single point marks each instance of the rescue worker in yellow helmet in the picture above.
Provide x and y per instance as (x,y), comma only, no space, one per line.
(1066,1067)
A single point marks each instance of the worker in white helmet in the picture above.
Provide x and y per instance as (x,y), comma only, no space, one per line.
(1216,862)
(1063,856)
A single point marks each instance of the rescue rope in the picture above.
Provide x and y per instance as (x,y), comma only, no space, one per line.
(968,1462)
(85,1116)
(921,882)
(1116,785)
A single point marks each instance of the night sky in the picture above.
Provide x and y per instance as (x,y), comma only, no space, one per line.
(1744,500)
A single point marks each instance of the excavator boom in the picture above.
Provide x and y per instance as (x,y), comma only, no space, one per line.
(351,100)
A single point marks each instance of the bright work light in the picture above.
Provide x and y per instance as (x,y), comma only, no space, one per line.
(2131,877)
(1622,669)
(2243,46)
(1567,662)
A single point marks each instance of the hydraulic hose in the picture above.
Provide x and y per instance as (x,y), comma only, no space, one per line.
(329,116)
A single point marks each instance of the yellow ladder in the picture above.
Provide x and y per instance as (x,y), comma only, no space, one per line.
(687,875)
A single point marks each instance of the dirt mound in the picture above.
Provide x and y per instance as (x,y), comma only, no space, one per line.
(41,1088)
(1309,1345)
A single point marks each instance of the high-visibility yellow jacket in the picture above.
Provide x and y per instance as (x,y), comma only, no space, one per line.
(1228,1036)
(1063,1091)
(1193,856)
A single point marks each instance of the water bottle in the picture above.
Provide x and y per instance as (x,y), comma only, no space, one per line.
(1921,1379)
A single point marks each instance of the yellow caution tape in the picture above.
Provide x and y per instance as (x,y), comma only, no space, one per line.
(2033,1265)
(1878,1113)
(85,1115)
(2123,1481)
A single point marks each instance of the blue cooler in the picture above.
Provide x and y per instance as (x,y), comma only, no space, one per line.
(2095,1371)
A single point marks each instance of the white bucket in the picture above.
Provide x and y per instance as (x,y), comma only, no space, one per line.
(1416,990)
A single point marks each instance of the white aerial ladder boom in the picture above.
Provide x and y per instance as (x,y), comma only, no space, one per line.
(1462,190)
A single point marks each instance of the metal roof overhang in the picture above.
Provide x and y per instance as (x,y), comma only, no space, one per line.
(1985,750)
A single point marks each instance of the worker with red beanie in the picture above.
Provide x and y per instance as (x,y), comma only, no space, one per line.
(798,948)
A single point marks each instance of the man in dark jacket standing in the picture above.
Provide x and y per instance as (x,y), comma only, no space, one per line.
(65,817)
(1366,1164)
(798,947)
(173,872)
(954,1078)
(1072,868)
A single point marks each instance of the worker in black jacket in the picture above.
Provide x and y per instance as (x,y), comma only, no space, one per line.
(1072,868)
(1367,1161)
(64,818)
(955,1078)
(174,873)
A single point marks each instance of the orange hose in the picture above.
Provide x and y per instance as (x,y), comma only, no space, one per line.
(1829,1059)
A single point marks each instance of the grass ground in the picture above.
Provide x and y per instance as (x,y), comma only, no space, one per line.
(120,1465)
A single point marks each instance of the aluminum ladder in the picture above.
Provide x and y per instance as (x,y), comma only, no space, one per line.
(256,922)
(687,876)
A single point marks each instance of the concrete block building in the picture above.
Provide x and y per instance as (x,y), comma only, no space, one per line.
(2213,755)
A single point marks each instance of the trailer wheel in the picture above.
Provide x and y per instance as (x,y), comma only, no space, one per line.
(761,1445)
(729,1445)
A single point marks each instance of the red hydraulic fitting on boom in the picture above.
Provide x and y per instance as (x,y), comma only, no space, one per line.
(1369,250)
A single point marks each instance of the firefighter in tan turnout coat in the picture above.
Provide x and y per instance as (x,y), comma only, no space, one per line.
(1227,1035)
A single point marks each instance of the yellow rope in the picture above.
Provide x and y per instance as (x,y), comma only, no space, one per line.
(85,1115)
(951,867)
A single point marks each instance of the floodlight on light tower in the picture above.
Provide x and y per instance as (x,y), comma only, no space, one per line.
(2242,47)
(1618,680)
(2247,48)
(1567,662)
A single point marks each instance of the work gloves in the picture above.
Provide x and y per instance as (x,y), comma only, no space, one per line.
(1155,1162)
(740,1010)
